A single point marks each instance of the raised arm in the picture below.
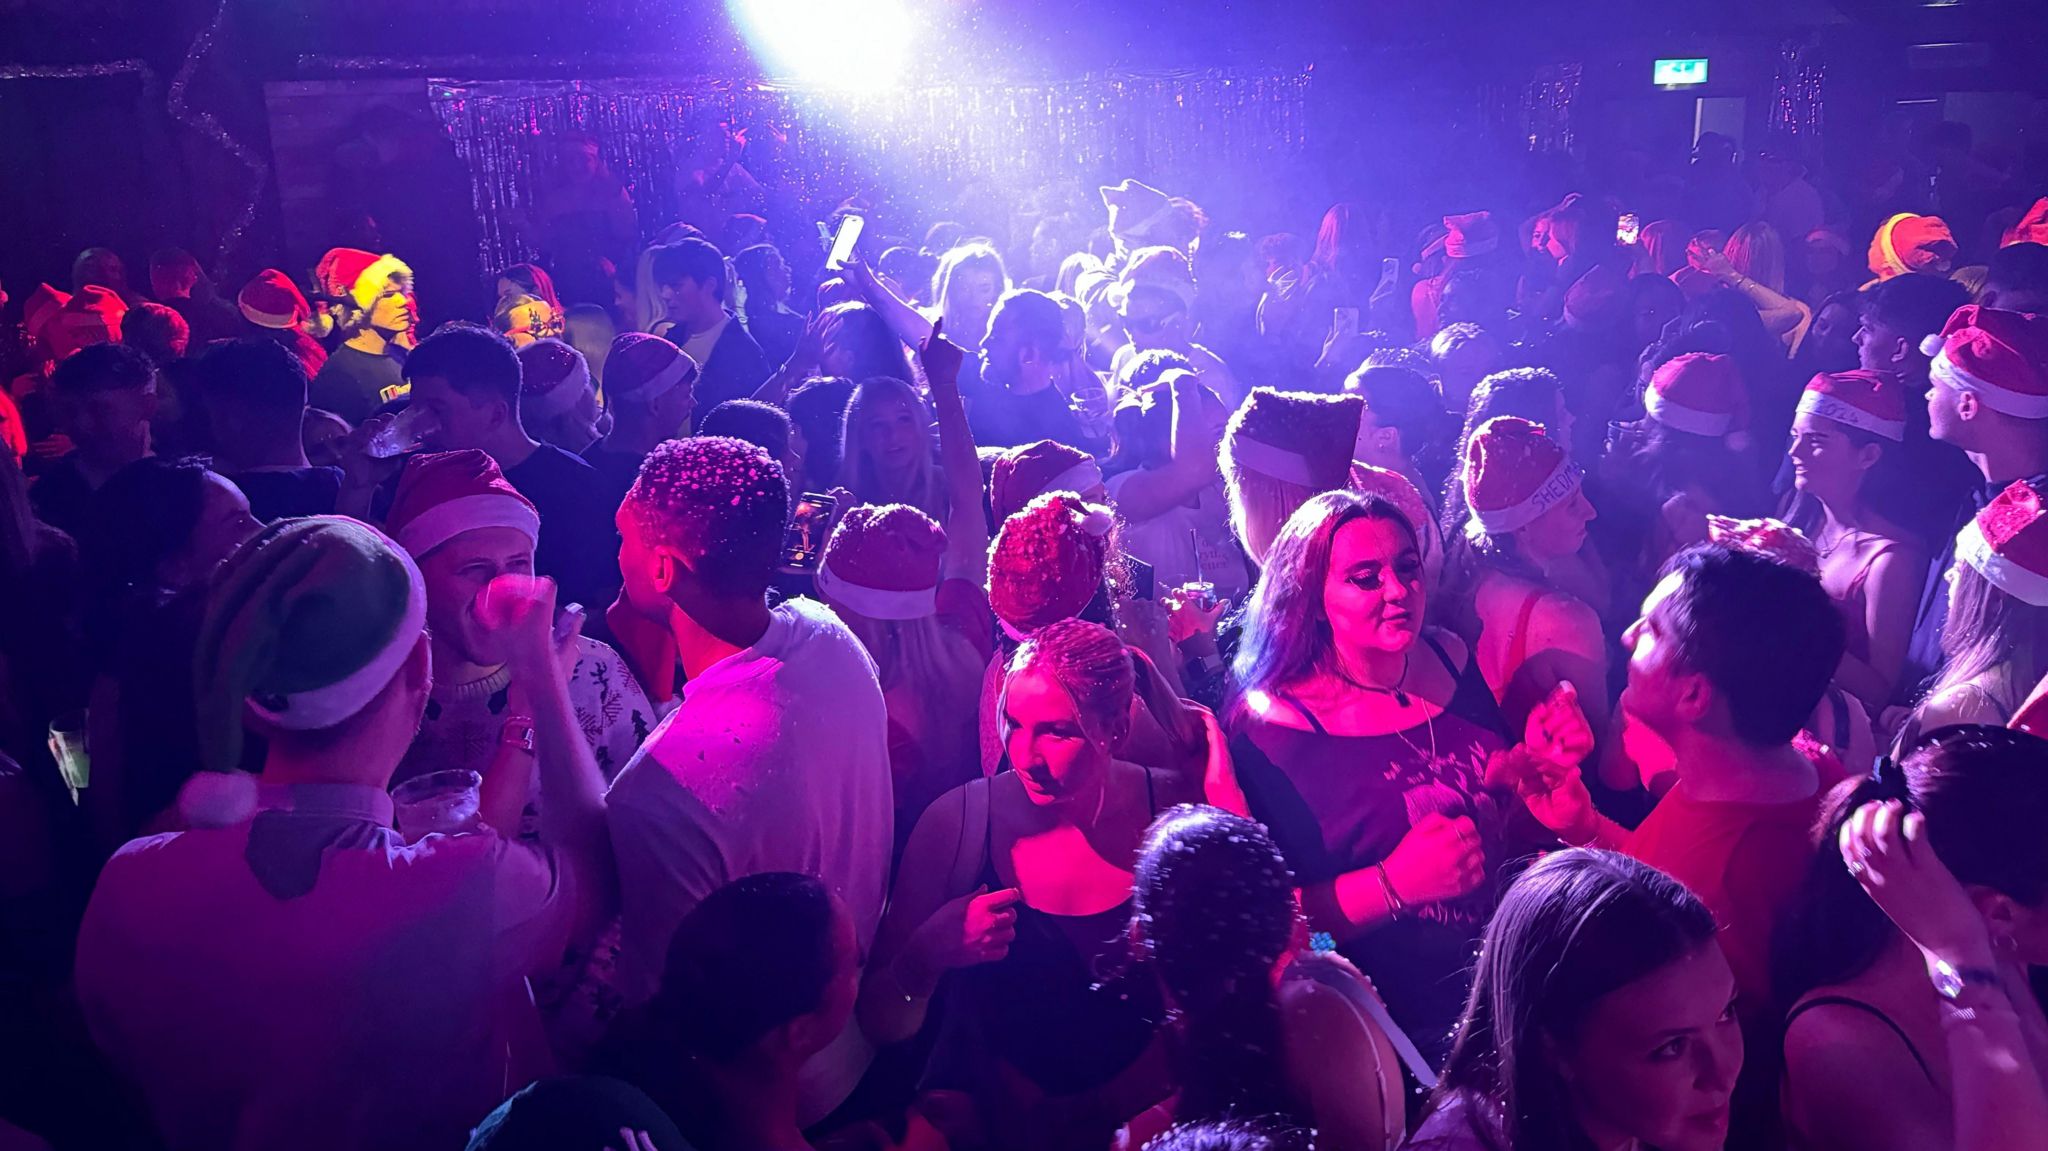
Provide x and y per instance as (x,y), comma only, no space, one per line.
(966,529)
(1152,492)
(909,324)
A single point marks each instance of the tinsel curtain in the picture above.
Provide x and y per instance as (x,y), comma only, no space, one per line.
(925,142)
(1796,95)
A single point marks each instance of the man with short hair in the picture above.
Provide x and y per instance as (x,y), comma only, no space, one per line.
(253,394)
(2016,279)
(690,275)
(1402,423)
(777,758)
(374,294)
(1015,399)
(1465,354)
(175,279)
(105,396)
(1896,315)
(468,379)
(651,395)
(289,971)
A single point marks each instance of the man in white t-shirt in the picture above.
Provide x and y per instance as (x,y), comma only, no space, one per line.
(777,759)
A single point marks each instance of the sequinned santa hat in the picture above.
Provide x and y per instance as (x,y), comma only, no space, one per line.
(1022,474)
(641,368)
(2008,544)
(552,377)
(1514,473)
(40,310)
(1047,562)
(361,276)
(1910,243)
(92,316)
(1700,393)
(271,300)
(883,563)
(2031,228)
(1873,402)
(1471,234)
(1400,491)
(443,494)
(1775,540)
(1998,356)
(1300,438)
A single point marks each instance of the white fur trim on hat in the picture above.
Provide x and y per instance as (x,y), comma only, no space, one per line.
(1274,462)
(444,521)
(1813,403)
(375,277)
(877,603)
(662,382)
(324,707)
(263,319)
(1080,479)
(1685,419)
(560,398)
(2020,582)
(1998,399)
(1556,488)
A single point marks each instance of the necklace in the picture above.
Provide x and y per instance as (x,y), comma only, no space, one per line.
(1400,695)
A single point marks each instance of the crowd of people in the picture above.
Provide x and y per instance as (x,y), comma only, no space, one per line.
(1568,681)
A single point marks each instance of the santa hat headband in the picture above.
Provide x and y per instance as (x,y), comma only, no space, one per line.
(2007,544)
(1867,401)
(2000,357)
(443,494)
(556,376)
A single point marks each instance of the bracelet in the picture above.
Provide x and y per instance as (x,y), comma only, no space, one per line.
(1394,905)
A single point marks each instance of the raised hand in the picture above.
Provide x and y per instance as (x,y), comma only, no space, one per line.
(974,929)
(1885,847)
(1440,858)
(1557,730)
(940,357)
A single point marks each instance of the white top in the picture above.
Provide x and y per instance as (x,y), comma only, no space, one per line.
(698,346)
(1163,541)
(304,979)
(777,760)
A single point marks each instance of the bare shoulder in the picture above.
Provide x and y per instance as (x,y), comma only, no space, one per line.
(1454,646)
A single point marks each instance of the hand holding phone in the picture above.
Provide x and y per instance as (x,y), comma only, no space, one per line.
(803,544)
(850,227)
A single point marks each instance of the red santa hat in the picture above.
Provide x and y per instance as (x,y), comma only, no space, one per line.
(1399,490)
(1514,473)
(641,368)
(552,377)
(1300,438)
(1873,402)
(1910,243)
(2008,544)
(92,316)
(2031,228)
(1022,474)
(883,563)
(1700,393)
(1775,540)
(271,300)
(1469,235)
(359,275)
(40,309)
(1046,564)
(1998,356)
(443,494)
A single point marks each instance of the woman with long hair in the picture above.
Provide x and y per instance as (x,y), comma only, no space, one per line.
(1259,1025)
(1869,1045)
(817,431)
(1602,1016)
(1994,645)
(889,450)
(1367,743)
(1753,264)
(858,344)
(527,309)
(1016,890)
(1851,482)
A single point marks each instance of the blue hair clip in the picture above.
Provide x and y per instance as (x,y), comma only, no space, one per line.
(1322,942)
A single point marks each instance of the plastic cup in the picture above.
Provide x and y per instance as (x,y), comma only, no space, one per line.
(407,432)
(438,803)
(68,748)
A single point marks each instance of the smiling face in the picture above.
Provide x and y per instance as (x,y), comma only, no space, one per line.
(1826,463)
(894,436)
(1655,1060)
(1057,754)
(1373,594)
(1661,691)
(456,572)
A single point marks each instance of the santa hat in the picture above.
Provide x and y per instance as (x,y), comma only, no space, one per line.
(1398,490)
(271,300)
(1136,211)
(552,377)
(2008,544)
(1021,474)
(1910,243)
(306,625)
(2031,228)
(1775,540)
(1299,438)
(1469,235)
(40,309)
(443,494)
(883,563)
(1698,393)
(1873,402)
(641,368)
(1998,356)
(1514,473)
(359,275)
(92,316)
(1047,561)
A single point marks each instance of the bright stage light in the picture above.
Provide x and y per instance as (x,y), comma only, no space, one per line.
(835,43)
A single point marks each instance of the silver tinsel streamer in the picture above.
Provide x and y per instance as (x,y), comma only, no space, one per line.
(1796,108)
(927,143)
(209,126)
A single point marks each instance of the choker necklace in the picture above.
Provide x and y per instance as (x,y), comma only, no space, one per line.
(1400,696)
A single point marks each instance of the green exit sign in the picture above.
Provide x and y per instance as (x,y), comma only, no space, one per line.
(1681,73)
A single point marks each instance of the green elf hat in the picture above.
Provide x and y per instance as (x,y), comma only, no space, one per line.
(307,623)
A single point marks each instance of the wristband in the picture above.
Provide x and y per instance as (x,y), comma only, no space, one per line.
(517,731)
(1394,905)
